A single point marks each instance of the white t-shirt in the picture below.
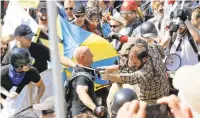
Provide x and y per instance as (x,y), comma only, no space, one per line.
(186,52)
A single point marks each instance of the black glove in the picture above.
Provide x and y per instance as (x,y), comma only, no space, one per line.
(100,70)
(181,14)
(173,29)
(113,36)
(100,111)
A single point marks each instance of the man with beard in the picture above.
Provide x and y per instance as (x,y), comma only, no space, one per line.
(116,24)
(129,13)
(150,74)
(42,19)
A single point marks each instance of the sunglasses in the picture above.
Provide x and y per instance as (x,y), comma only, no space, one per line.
(43,10)
(70,8)
(29,63)
(79,16)
(128,13)
(114,26)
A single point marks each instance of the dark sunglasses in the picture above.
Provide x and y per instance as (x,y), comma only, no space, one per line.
(43,10)
(29,63)
(114,26)
(78,16)
(70,8)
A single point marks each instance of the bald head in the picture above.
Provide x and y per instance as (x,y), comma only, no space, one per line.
(83,56)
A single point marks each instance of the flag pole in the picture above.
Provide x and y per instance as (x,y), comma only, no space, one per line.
(58,86)
(182,4)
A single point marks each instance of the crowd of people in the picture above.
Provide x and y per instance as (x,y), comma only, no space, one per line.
(143,33)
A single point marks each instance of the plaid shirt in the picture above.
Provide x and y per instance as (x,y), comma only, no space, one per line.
(152,82)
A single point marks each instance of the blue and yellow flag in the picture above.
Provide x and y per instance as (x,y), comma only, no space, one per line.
(74,36)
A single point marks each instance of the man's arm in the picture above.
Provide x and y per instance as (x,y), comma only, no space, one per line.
(84,97)
(130,78)
(112,68)
(165,39)
(193,31)
(40,92)
(7,39)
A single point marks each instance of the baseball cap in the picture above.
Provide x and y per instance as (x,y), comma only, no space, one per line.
(42,4)
(79,8)
(25,31)
(45,105)
(187,80)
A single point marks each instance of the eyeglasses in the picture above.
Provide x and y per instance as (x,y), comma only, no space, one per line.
(70,8)
(78,16)
(43,10)
(128,13)
(114,26)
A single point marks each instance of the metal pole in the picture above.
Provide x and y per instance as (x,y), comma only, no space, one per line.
(58,86)
(182,4)
(0,45)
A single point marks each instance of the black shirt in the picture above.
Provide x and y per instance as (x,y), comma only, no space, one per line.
(39,52)
(77,105)
(30,76)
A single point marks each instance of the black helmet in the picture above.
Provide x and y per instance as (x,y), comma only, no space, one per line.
(20,57)
(122,96)
(148,29)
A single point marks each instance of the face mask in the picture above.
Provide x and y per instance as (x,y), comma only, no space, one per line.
(15,76)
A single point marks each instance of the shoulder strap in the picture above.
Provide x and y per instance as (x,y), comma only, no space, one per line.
(191,40)
(86,74)
(172,40)
(131,31)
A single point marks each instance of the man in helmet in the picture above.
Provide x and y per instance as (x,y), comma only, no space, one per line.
(129,13)
(18,74)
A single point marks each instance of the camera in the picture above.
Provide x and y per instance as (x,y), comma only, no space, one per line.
(158,111)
